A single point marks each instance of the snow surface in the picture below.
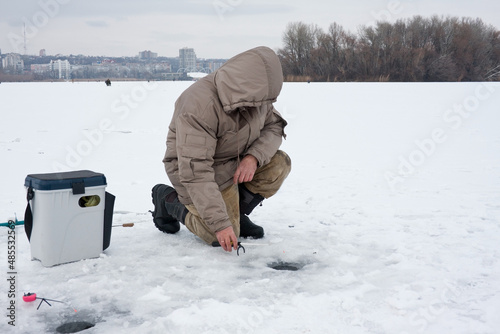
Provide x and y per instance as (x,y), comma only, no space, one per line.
(197,75)
(392,210)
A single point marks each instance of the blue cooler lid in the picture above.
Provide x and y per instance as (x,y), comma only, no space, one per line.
(75,180)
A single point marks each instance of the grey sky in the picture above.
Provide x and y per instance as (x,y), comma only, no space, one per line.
(214,28)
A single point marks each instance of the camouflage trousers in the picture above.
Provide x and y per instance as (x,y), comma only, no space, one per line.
(266,182)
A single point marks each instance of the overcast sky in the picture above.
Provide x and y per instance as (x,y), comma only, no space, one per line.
(214,28)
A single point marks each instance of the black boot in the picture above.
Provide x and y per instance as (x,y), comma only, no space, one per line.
(249,229)
(168,210)
(248,202)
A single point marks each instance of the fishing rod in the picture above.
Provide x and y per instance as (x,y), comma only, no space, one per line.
(31,297)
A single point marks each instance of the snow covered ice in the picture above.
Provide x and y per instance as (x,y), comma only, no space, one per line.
(391,211)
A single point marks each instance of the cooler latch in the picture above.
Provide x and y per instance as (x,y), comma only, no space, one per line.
(78,188)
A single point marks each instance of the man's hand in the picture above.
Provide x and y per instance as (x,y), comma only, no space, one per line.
(246,169)
(227,239)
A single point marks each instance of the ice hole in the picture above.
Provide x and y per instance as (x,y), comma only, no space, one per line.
(74,327)
(288,266)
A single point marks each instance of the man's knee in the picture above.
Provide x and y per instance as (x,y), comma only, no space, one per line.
(280,166)
(284,161)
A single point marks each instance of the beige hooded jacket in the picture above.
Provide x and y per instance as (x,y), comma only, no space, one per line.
(224,116)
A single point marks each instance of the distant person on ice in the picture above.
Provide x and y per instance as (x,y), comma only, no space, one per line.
(222,151)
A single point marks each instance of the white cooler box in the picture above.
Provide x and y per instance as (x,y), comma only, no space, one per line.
(69,216)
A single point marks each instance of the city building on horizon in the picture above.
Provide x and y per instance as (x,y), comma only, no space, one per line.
(187,60)
(62,68)
(56,69)
(13,61)
(145,55)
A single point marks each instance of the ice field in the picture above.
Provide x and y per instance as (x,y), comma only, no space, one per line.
(391,214)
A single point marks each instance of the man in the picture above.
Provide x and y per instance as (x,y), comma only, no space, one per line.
(222,151)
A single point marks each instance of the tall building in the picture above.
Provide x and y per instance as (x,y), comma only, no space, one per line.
(62,67)
(42,53)
(187,59)
(13,61)
(147,55)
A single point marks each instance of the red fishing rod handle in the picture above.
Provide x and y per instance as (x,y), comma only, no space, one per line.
(29,297)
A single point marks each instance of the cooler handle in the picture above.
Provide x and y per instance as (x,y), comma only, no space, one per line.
(28,215)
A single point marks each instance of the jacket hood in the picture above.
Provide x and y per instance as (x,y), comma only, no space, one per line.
(250,79)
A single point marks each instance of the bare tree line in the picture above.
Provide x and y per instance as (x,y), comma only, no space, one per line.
(414,49)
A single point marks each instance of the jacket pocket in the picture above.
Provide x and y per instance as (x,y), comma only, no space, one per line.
(193,164)
(194,152)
